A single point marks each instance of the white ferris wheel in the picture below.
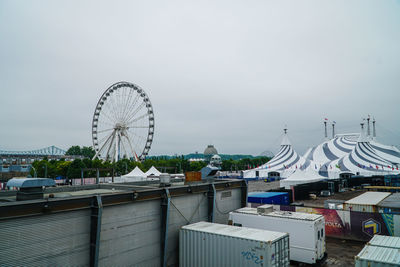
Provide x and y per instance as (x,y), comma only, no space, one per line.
(123,123)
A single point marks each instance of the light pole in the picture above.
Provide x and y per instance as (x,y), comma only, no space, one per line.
(45,170)
(34,172)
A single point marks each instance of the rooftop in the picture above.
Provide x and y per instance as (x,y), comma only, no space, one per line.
(90,190)
(283,214)
(385,241)
(234,231)
(392,201)
(369,198)
(379,254)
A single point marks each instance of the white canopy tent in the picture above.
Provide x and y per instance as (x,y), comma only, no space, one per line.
(152,172)
(136,172)
(301,176)
(135,175)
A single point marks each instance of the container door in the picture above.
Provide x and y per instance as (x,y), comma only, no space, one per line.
(320,240)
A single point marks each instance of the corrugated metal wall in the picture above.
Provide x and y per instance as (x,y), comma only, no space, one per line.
(60,239)
(183,211)
(225,203)
(130,234)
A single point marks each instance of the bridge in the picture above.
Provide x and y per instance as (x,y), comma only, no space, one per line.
(19,162)
(47,151)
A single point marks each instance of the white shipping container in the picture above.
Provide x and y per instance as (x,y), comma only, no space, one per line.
(372,256)
(385,241)
(306,231)
(366,202)
(206,244)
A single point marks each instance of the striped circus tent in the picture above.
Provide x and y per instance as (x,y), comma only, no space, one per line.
(332,149)
(389,153)
(363,160)
(284,163)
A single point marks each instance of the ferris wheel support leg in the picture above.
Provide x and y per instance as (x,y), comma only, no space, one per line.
(98,152)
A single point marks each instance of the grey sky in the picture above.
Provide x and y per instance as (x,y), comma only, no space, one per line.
(232,73)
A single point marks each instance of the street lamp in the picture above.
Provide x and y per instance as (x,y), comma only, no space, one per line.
(34,172)
(45,170)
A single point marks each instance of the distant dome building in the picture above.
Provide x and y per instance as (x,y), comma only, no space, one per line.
(209,152)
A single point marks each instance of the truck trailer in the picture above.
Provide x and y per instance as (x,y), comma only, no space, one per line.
(306,231)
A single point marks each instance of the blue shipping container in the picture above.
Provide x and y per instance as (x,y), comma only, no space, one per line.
(277,198)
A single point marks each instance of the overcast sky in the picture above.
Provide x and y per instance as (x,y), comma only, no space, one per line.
(231,73)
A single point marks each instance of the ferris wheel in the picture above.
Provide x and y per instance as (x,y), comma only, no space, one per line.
(123,123)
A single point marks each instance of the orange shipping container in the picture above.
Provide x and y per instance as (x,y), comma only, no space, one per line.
(192,176)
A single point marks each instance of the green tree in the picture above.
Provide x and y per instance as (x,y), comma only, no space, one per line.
(197,165)
(74,170)
(74,151)
(88,152)
(62,168)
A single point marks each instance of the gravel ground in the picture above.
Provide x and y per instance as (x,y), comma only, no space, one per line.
(254,186)
(341,252)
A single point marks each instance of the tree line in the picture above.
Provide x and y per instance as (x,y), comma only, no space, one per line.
(72,169)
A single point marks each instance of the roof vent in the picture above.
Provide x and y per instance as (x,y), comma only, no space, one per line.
(265,209)
(30,188)
(165,179)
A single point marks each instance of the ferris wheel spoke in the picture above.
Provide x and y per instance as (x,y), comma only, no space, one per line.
(137,118)
(105,121)
(130,112)
(128,100)
(138,136)
(118,100)
(115,107)
(122,102)
(143,126)
(103,139)
(135,100)
(132,115)
(125,100)
(112,120)
(106,130)
(110,106)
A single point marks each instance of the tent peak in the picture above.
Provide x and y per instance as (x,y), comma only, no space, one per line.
(285,139)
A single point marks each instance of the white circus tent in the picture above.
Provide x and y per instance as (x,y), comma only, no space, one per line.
(152,172)
(335,148)
(390,153)
(354,154)
(285,162)
(362,160)
(302,176)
